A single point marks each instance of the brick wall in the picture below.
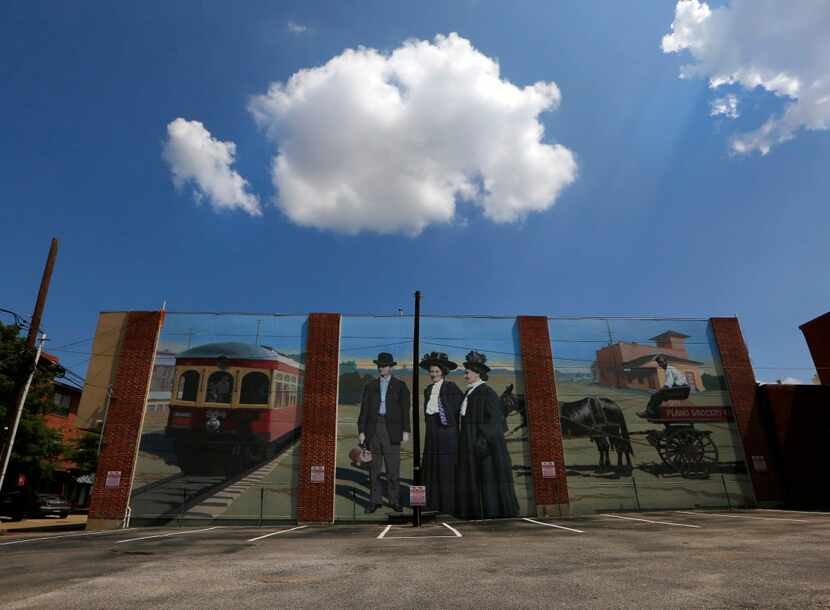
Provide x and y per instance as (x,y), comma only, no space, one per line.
(542,413)
(740,380)
(798,420)
(315,501)
(123,420)
(817,334)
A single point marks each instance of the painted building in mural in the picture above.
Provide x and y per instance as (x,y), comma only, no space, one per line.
(641,414)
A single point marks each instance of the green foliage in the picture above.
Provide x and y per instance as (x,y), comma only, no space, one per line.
(351,387)
(36,447)
(713,382)
(84,452)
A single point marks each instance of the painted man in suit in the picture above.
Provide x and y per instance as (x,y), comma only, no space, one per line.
(383,424)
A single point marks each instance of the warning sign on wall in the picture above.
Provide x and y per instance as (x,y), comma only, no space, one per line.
(418,495)
(113,478)
(759,463)
(318,474)
(548,470)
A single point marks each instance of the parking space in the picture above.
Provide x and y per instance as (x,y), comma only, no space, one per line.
(702,558)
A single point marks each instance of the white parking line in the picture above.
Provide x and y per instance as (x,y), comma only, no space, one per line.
(560,527)
(452,529)
(649,521)
(455,534)
(168,534)
(784,510)
(61,536)
(742,516)
(299,527)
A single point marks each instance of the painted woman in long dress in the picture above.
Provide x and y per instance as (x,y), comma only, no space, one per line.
(484,478)
(442,401)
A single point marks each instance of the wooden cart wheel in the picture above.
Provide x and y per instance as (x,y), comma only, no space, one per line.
(688,451)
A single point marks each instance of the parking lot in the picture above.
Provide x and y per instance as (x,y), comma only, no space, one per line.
(669,559)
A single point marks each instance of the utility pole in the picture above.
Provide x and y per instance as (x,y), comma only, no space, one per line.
(416,410)
(34,328)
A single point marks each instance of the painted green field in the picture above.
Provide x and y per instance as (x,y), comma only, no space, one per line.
(650,484)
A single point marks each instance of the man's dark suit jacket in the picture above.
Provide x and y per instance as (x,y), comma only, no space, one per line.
(397,409)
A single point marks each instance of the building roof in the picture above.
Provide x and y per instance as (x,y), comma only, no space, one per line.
(244,351)
(669,333)
(643,359)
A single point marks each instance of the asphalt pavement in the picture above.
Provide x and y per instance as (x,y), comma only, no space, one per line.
(676,559)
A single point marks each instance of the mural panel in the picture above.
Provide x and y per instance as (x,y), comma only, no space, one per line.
(474,447)
(221,431)
(646,418)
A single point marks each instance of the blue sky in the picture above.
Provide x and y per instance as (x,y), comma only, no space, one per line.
(661,219)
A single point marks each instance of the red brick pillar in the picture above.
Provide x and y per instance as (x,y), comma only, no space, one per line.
(122,431)
(545,432)
(315,500)
(740,381)
(817,334)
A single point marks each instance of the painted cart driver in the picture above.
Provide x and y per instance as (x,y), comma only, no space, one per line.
(675,388)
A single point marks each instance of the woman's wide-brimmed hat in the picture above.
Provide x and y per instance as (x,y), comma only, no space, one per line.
(476,361)
(438,359)
(385,359)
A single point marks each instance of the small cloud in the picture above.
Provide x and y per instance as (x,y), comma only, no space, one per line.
(196,157)
(783,381)
(296,28)
(726,106)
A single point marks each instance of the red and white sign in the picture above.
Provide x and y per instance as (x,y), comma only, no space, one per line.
(695,413)
(759,463)
(318,474)
(418,495)
(113,479)
(21,480)
(548,470)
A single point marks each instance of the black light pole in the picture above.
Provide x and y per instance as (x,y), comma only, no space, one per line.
(416,396)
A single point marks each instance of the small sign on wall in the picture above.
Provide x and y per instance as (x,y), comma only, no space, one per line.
(418,495)
(548,470)
(113,479)
(759,463)
(318,474)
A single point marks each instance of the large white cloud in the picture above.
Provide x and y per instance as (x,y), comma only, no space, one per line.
(780,46)
(389,142)
(197,157)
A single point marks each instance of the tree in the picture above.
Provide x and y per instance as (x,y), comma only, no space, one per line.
(84,452)
(36,447)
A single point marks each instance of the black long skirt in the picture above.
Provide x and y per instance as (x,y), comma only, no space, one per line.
(440,456)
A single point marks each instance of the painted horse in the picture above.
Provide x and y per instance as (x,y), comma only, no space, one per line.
(511,402)
(601,420)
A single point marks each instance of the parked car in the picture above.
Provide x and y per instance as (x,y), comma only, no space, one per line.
(19,504)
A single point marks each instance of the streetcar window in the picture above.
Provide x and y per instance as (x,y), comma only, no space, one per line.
(219,387)
(254,389)
(188,386)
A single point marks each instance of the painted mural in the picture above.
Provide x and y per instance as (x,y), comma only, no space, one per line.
(645,415)
(221,431)
(474,444)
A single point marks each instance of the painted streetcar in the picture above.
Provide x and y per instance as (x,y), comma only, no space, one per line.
(233,406)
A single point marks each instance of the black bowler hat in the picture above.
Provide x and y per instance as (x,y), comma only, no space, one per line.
(438,359)
(476,361)
(385,359)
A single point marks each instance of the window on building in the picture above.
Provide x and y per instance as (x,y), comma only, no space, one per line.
(254,389)
(61,403)
(219,387)
(188,386)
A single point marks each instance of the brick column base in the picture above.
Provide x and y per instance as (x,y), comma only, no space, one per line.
(545,432)
(119,451)
(315,500)
(740,380)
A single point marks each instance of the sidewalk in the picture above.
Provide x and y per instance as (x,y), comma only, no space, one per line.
(71,523)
